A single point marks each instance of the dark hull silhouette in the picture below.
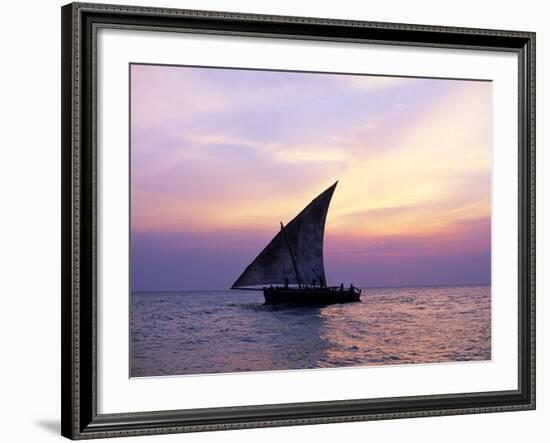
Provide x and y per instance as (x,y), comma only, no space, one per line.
(311,296)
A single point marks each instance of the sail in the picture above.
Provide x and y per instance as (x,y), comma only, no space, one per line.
(296,252)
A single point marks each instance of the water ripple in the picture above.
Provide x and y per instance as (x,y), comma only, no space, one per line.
(232,331)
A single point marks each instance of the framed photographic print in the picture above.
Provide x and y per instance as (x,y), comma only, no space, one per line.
(274,221)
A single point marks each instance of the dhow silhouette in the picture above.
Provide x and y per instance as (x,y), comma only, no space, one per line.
(290,268)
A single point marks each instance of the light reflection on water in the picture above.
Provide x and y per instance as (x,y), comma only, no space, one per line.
(232,331)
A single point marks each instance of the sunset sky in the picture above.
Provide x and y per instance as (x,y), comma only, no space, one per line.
(220,156)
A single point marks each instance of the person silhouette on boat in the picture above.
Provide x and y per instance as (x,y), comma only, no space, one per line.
(313,282)
(351,288)
(286,282)
(341,286)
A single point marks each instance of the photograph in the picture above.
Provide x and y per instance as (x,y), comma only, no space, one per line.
(242,221)
(294,220)
(280,216)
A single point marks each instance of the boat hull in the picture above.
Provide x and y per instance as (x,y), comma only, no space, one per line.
(311,296)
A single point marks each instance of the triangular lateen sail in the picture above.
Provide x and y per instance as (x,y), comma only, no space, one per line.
(296,252)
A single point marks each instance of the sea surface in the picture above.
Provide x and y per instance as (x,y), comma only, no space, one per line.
(199,332)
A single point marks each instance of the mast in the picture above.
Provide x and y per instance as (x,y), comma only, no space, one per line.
(291,256)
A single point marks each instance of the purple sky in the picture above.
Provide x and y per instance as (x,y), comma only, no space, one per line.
(219,157)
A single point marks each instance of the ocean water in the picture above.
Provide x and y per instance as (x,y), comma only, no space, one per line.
(199,332)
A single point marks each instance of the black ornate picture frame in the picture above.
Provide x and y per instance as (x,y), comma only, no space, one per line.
(80,418)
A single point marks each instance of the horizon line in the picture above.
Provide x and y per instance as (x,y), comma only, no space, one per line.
(358,286)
